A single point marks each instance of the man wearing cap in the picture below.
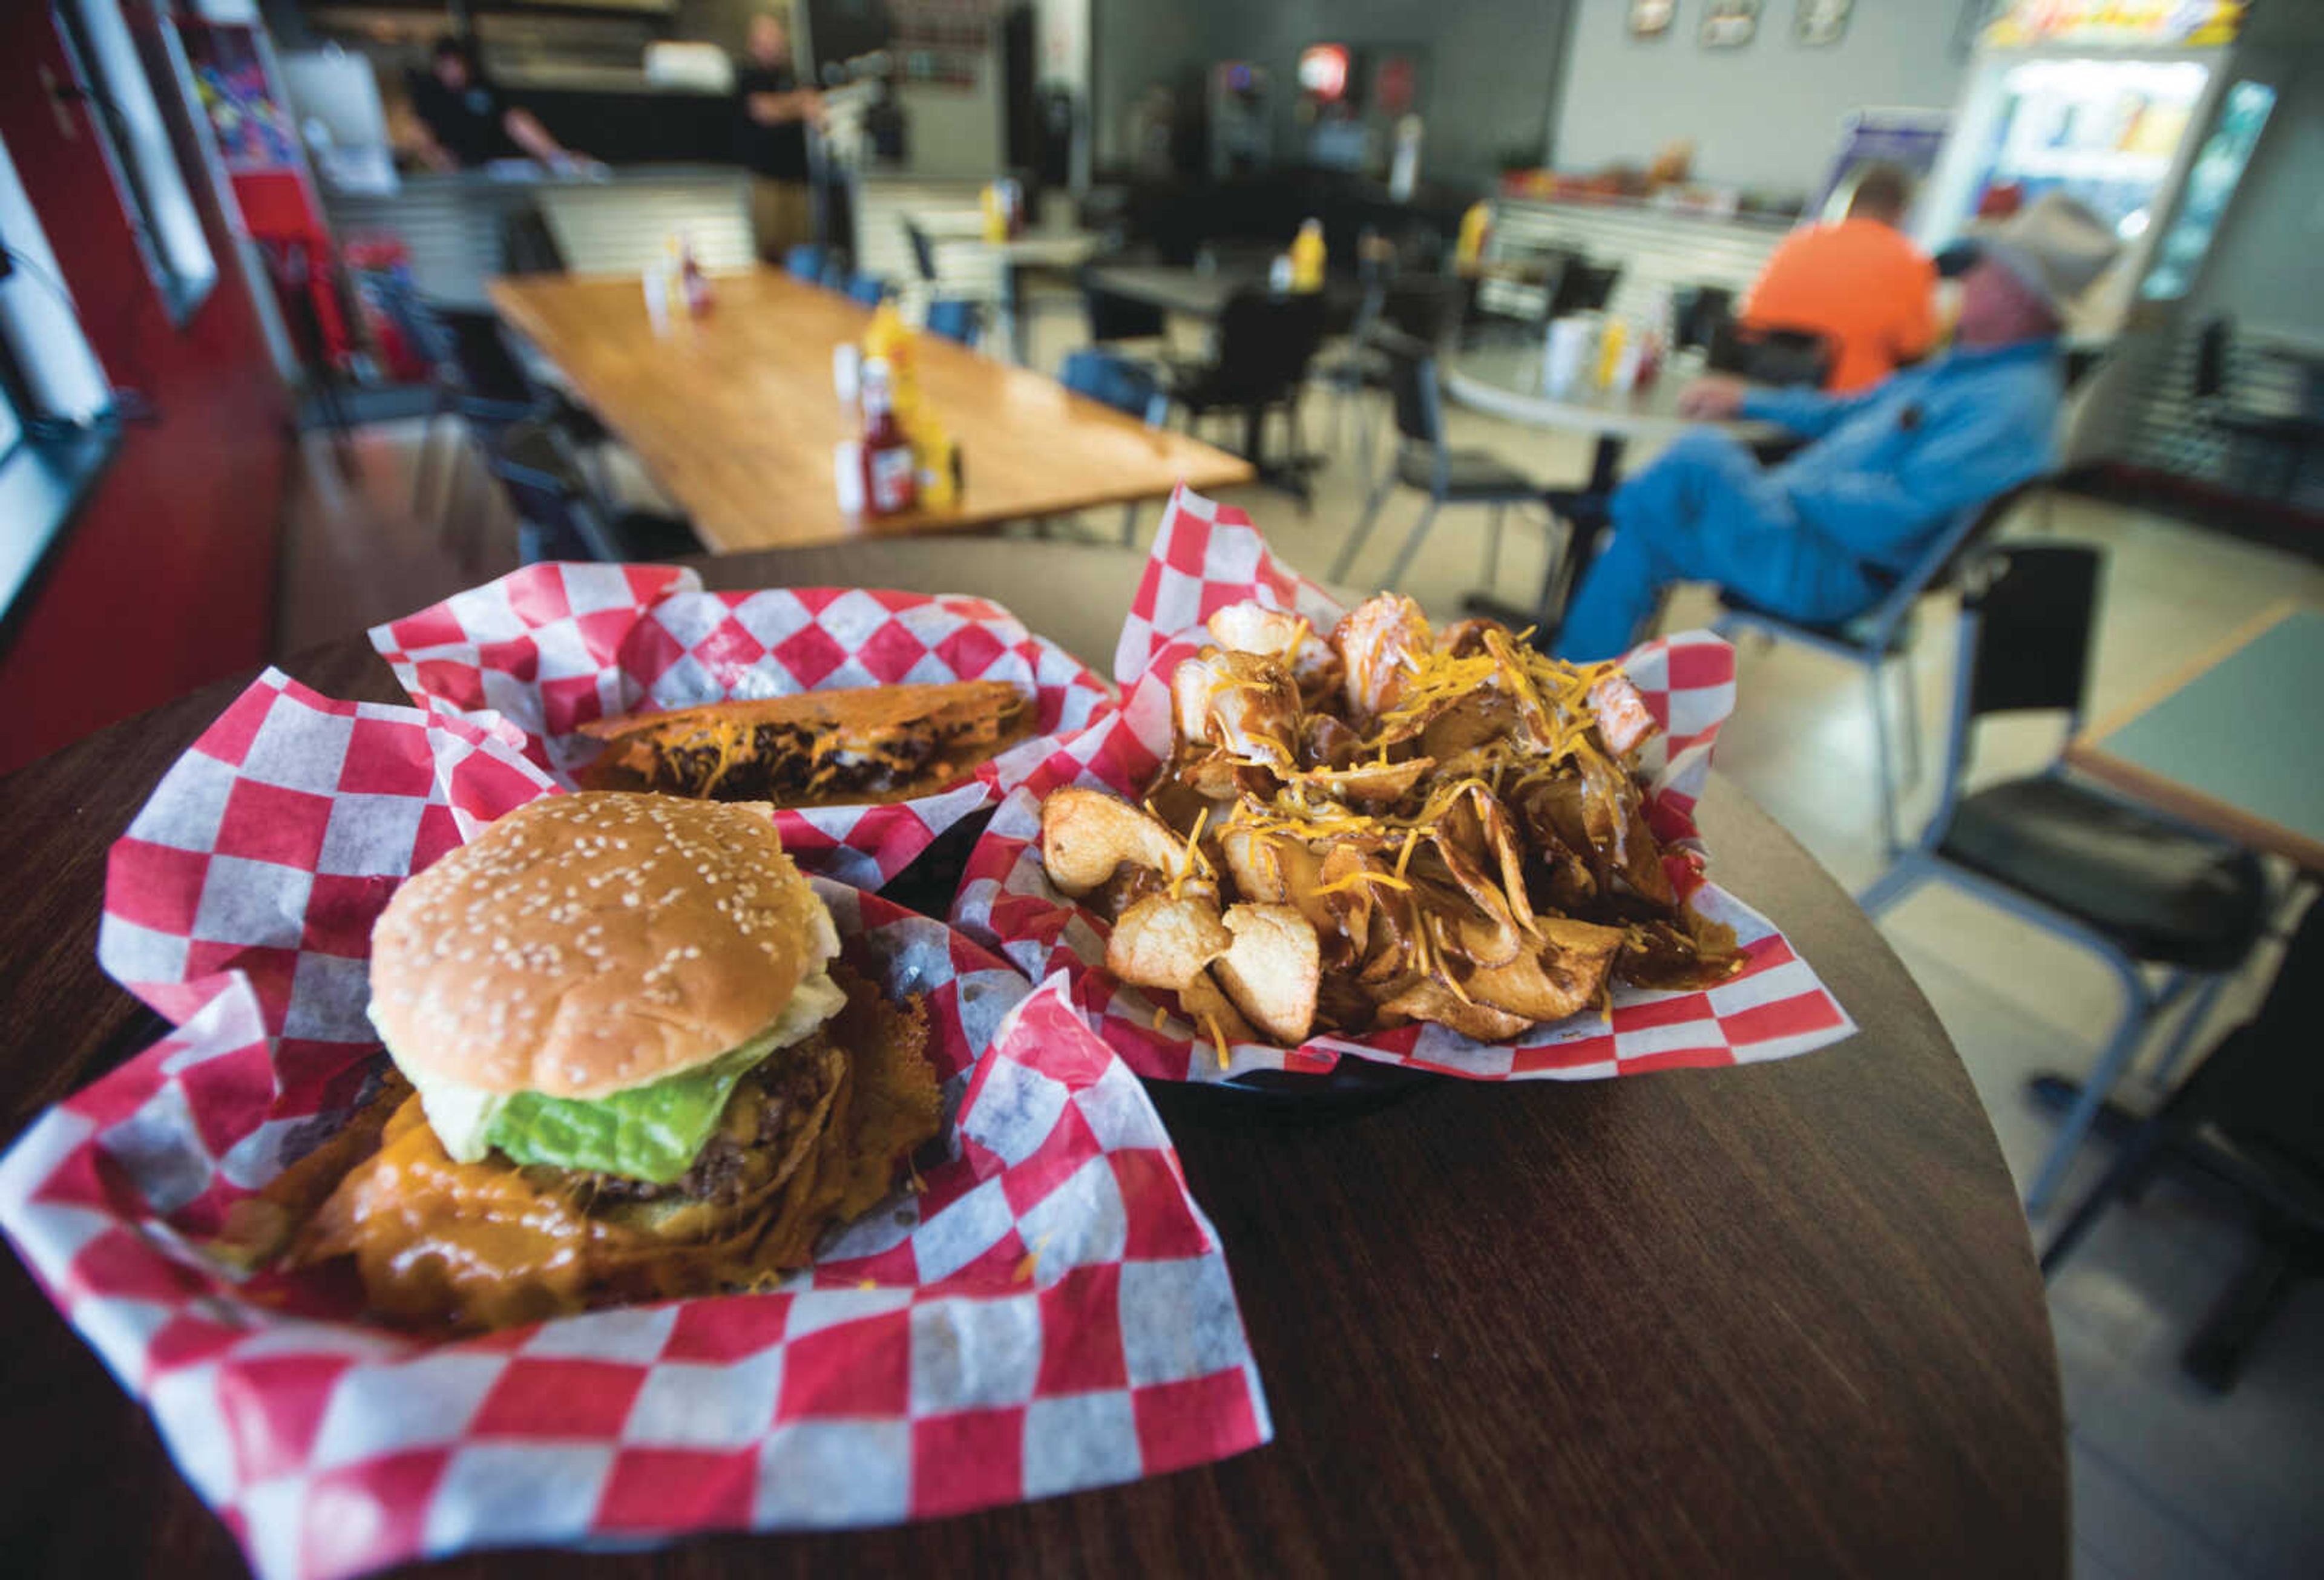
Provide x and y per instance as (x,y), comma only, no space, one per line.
(1823,536)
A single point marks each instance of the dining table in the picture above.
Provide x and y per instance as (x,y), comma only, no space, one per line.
(1194,291)
(1505,381)
(1780,1318)
(734,414)
(1050,251)
(2212,744)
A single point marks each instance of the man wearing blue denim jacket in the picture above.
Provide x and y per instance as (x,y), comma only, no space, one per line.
(1823,536)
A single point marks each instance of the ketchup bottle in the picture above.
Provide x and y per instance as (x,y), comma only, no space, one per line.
(693,284)
(889,484)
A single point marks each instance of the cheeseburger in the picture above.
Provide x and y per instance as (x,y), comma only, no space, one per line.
(631,1068)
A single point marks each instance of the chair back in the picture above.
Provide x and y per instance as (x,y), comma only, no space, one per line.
(1115,381)
(1427,308)
(1117,317)
(1583,287)
(2035,609)
(480,357)
(955,319)
(869,290)
(1699,311)
(924,249)
(1940,564)
(1412,388)
(1264,344)
(1771,355)
(804,261)
(2211,342)
(2264,1082)
(542,481)
(415,320)
(528,246)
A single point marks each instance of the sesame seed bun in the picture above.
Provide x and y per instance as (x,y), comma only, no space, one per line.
(586,944)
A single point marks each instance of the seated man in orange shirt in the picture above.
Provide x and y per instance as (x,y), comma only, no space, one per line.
(1858,283)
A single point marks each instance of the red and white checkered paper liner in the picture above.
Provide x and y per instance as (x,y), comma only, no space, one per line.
(1052,1312)
(551,647)
(1206,556)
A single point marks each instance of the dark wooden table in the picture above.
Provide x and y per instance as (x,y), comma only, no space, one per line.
(1772,1321)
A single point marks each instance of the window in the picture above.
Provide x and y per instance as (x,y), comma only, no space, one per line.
(137,147)
(53,445)
(59,376)
(11,428)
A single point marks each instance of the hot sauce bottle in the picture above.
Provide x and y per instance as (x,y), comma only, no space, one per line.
(889,478)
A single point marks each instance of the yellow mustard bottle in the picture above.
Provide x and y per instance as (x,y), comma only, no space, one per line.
(1307,256)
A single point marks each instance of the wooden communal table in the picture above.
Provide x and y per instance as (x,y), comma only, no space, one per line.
(734,415)
(2221,743)
(1771,1321)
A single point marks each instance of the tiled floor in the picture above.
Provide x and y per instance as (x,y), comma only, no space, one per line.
(2168,1480)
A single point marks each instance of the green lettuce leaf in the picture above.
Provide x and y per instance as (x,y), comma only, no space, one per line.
(652,1132)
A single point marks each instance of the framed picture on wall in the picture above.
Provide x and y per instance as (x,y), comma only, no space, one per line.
(1728,25)
(1651,19)
(1817,22)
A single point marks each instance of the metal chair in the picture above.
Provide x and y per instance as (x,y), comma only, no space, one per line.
(2250,1120)
(1883,632)
(2127,885)
(560,518)
(1260,349)
(1427,308)
(924,248)
(1358,367)
(1113,317)
(2287,435)
(477,378)
(1583,287)
(1770,355)
(1697,311)
(956,320)
(1424,462)
(1490,315)
(1125,384)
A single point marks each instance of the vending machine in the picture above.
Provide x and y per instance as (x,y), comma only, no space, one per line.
(2146,111)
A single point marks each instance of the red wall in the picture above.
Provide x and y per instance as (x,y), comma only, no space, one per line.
(167,579)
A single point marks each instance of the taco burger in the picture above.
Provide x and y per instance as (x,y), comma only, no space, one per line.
(636,1069)
(845,747)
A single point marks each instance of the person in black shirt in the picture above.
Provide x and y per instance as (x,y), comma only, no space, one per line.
(772,114)
(463,120)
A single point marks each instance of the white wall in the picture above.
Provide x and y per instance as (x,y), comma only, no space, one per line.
(1766,116)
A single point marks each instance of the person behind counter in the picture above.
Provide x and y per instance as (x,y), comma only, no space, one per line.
(1857,282)
(463,120)
(772,114)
